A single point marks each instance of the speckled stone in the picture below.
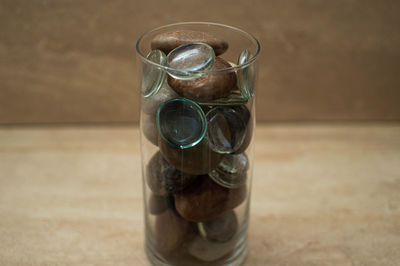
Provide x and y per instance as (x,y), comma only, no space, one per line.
(214,85)
(205,200)
(168,41)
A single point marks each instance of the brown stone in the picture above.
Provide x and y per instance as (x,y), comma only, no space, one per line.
(220,229)
(196,160)
(150,105)
(171,232)
(168,41)
(149,128)
(215,85)
(209,251)
(205,200)
(164,179)
(158,204)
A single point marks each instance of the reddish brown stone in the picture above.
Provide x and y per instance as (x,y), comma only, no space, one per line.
(168,41)
(217,84)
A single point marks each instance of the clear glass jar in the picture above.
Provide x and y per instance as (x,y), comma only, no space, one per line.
(197,118)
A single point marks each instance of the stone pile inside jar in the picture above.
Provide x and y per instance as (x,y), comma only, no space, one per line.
(196,109)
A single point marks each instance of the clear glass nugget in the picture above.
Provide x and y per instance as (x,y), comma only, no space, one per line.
(188,60)
(231,171)
(245,76)
(181,122)
(153,76)
(226,129)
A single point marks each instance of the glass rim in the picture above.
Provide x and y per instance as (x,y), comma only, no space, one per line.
(232,68)
(202,117)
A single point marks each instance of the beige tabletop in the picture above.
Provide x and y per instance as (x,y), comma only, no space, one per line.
(322,195)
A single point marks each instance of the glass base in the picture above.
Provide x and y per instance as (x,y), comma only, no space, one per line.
(235,258)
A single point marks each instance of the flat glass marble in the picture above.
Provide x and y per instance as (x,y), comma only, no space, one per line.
(181,122)
(226,129)
(153,76)
(231,171)
(245,75)
(188,60)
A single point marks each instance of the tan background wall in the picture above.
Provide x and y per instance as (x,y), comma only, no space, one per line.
(74,61)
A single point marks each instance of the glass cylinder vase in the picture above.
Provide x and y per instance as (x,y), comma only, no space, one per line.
(197,86)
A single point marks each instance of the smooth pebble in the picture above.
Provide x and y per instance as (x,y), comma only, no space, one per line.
(168,41)
(217,83)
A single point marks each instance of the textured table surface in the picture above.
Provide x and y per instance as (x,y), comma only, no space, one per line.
(322,195)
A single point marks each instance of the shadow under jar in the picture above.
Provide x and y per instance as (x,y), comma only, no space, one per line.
(197,120)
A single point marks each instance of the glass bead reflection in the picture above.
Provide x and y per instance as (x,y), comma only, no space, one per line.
(181,122)
(245,75)
(187,60)
(153,76)
(226,128)
(231,171)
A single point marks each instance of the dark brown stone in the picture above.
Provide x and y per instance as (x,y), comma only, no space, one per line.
(215,85)
(205,200)
(164,179)
(196,160)
(149,128)
(171,232)
(168,41)
(158,204)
